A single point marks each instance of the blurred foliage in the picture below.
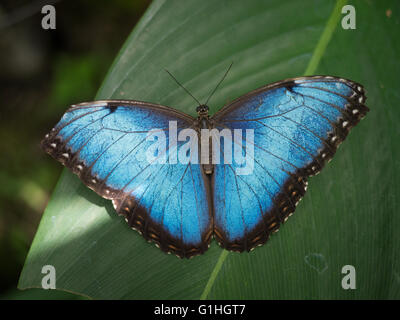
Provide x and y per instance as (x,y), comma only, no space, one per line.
(42,72)
(76,78)
(39,294)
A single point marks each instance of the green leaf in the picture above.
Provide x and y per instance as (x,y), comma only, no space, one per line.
(348,216)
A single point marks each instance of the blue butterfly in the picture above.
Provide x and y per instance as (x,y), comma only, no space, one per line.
(297,125)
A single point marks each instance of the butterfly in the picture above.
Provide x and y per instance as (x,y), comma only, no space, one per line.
(289,130)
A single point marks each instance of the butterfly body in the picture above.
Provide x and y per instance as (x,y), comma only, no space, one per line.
(239,191)
(203,123)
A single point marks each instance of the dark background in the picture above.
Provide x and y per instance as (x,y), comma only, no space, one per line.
(42,72)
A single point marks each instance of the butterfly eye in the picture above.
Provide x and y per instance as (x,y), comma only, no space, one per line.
(202,109)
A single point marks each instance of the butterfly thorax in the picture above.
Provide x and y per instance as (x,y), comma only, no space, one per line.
(203,122)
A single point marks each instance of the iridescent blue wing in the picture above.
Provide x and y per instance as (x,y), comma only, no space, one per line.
(298,125)
(105,144)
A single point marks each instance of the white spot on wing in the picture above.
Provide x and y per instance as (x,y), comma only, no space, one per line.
(100,104)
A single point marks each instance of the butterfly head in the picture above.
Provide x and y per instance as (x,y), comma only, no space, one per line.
(202,110)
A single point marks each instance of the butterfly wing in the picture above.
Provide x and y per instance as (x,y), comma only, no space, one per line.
(298,125)
(105,144)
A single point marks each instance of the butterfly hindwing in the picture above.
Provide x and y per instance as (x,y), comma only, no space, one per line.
(298,125)
(105,144)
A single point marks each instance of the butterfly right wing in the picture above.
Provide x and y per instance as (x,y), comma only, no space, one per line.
(105,144)
(298,125)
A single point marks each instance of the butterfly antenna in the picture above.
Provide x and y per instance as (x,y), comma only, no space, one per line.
(219,83)
(183,87)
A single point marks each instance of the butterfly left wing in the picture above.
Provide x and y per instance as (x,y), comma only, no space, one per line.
(105,143)
(297,125)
